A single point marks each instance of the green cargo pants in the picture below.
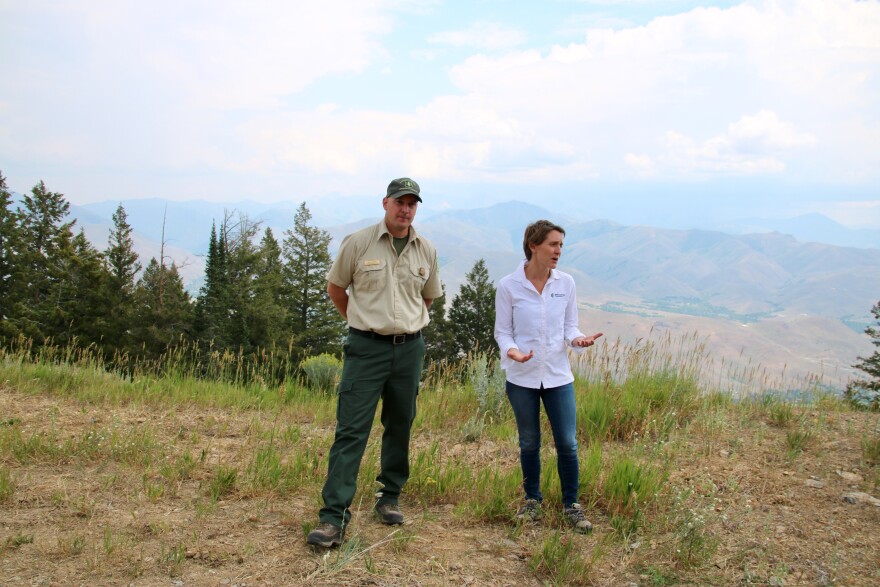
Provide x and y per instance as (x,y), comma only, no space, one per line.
(373,369)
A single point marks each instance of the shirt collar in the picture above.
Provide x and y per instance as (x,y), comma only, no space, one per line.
(383,230)
(521,273)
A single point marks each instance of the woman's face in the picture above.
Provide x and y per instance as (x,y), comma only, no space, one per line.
(548,252)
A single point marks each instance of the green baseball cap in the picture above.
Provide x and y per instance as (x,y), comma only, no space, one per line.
(401,187)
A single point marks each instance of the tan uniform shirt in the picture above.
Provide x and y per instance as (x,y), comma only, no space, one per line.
(386,293)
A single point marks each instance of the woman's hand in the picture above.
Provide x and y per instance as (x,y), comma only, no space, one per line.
(583,341)
(519,356)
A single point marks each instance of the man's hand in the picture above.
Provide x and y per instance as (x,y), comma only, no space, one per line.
(583,341)
(519,356)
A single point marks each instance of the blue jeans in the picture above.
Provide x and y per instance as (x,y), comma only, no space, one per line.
(560,407)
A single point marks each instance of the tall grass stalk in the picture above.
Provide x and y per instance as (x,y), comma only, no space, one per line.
(558,560)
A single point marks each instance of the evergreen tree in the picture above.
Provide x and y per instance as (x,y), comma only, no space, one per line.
(162,310)
(439,334)
(473,313)
(867,391)
(45,240)
(314,321)
(80,309)
(269,318)
(9,248)
(122,267)
(242,260)
(212,307)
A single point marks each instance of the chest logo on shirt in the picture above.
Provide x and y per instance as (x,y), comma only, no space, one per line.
(372,262)
(557,295)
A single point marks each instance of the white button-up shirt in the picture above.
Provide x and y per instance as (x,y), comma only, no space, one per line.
(545,323)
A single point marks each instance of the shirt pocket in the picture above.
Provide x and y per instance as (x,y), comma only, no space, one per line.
(415,277)
(370,274)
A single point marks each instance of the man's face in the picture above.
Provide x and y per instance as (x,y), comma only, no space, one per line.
(399,213)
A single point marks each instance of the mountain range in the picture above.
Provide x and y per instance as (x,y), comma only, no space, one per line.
(798,308)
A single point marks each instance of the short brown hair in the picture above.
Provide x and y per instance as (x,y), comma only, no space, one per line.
(535,234)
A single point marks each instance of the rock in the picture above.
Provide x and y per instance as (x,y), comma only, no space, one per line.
(814,483)
(724,453)
(851,477)
(859,497)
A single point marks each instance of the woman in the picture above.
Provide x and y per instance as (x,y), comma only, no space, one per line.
(536,320)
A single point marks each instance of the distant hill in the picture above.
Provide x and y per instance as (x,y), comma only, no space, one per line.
(798,307)
(808,228)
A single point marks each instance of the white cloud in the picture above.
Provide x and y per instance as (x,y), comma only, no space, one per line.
(686,156)
(449,138)
(605,107)
(767,87)
(754,144)
(767,131)
(482,35)
(621,90)
(162,85)
(642,164)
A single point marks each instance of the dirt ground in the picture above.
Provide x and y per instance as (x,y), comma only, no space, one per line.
(775,520)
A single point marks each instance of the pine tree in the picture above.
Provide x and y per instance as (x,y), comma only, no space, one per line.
(473,313)
(867,391)
(80,308)
(316,326)
(162,313)
(439,334)
(122,267)
(45,241)
(10,244)
(269,318)
(212,307)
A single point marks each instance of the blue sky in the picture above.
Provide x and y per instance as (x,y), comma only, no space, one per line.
(636,110)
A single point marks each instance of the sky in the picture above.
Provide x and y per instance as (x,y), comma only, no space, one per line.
(641,110)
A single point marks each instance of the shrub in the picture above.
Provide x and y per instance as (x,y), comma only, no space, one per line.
(322,372)
(487,380)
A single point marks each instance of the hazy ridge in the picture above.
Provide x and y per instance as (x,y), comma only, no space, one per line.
(793,306)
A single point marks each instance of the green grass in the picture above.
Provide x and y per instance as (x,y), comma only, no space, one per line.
(628,489)
(638,408)
(558,560)
(7,485)
(871,449)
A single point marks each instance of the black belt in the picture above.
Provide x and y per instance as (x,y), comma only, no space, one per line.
(392,338)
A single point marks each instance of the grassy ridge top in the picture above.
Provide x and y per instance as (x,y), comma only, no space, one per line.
(163,476)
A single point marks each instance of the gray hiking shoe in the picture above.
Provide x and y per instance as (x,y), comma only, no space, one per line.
(325,535)
(529,512)
(576,519)
(389,513)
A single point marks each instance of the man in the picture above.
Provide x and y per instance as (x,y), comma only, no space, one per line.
(383,281)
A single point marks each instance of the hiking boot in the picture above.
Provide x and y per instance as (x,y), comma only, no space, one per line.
(530,511)
(326,535)
(576,519)
(389,513)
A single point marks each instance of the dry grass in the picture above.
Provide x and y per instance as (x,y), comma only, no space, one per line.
(202,490)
